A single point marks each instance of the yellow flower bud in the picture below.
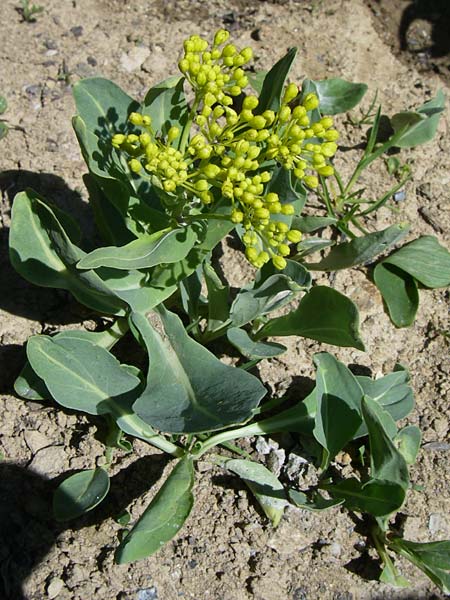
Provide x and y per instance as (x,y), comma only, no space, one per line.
(211,171)
(311,181)
(263,257)
(331,135)
(250,102)
(201,185)
(118,139)
(257,122)
(237,216)
(284,114)
(329,149)
(290,93)
(172,134)
(326,122)
(299,112)
(146,120)
(183,65)
(310,102)
(229,50)
(287,209)
(169,185)
(135,118)
(326,171)
(279,262)
(247,54)
(294,236)
(272,197)
(135,165)
(251,253)
(262,213)
(221,37)
(283,249)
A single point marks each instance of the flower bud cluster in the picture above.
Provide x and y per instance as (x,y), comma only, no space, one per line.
(230,148)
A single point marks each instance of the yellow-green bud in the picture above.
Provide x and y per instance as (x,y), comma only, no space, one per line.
(326,171)
(229,50)
(283,249)
(118,139)
(172,134)
(279,262)
(326,122)
(331,135)
(221,37)
(135,165)
(262,213)
(250,102)
(251,253)
(290,93)
(247,54)
(135,118)
(287,209)
(284,114)
(257,122)
(272,197)
(183,65)
(311,181)
(201,185)
(263,257)
(329,149)
(310,102)
(294,236)
(169,185)
(211,170)
(146,120)
(237,216)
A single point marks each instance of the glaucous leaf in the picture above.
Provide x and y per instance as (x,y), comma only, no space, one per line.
(338,415)
(264,485)
(419,127)
(164,516)
(360,250)
(29,386)
(433,558)
(407,442)
(338,96)
(218,306)
(166,104)
(166,246)
(376,497)
(251,349)
(80,493)
(308,224)
(256,80)
(316,503)
(399,292)
(188,389)
(386,462)
(323,314)
(42,252)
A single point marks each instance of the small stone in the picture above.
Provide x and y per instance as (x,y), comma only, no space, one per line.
(77,31)
(49,461)
(295,466)
(35,440)
(265,446)
(335,549)
(147,594)
(54,587)
(133,60)
(51,52)
(437,524)
(275,461)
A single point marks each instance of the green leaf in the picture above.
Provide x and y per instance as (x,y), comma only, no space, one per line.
(191,294)
(251,349)
(338,96)
(360,250)
(167,246)
(218,307)
(399,292)
(188,389)
(265,486)
(392,393)
(323,314)
(433,558)
(386,462)
(390,576)
(338,415)
(272,88)
(407,442)
(288,190)
(164,516)
(256,80)
(418,127)
(102,105)
(312,245)
(3,104)
(166,104)
(425,260)
(309,224)
(29,386)
(315,504)
(42,252)
(376,497)
(80,493)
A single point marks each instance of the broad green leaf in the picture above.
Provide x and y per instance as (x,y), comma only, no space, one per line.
(338,96)
(376,497)
(167,246)
(188,389)
(102,105)
(29,386)
(360,250)
(338,415)
(251,349)
(315,504)
(386,462)
(425,260)
(191,294)
(3,104)
(264,485)
(88,378)
(399,292)
(256,80)
(164,516)
(390,576)
(42,252)
(323,314)
(166,104)
(273,85)
(218,306)
(309,224)
(311,245)
(419,127)
(300,418)
(80,493)
(391,392)
(433,558)
(407,442)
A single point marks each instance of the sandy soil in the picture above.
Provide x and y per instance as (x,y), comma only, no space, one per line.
(227,550)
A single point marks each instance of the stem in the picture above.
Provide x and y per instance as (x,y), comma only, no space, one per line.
(381,201)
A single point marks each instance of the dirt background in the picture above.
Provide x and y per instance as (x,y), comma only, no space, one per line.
(227,550)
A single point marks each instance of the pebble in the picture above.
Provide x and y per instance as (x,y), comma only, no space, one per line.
(436,523)
(54,587)
(132,60)
(147,594)
(49,461)
(276,460)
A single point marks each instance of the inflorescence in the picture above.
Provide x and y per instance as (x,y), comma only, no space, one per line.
(229,148)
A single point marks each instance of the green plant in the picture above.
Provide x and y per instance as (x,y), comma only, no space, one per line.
(168,181)
(3,125)
(29,11)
